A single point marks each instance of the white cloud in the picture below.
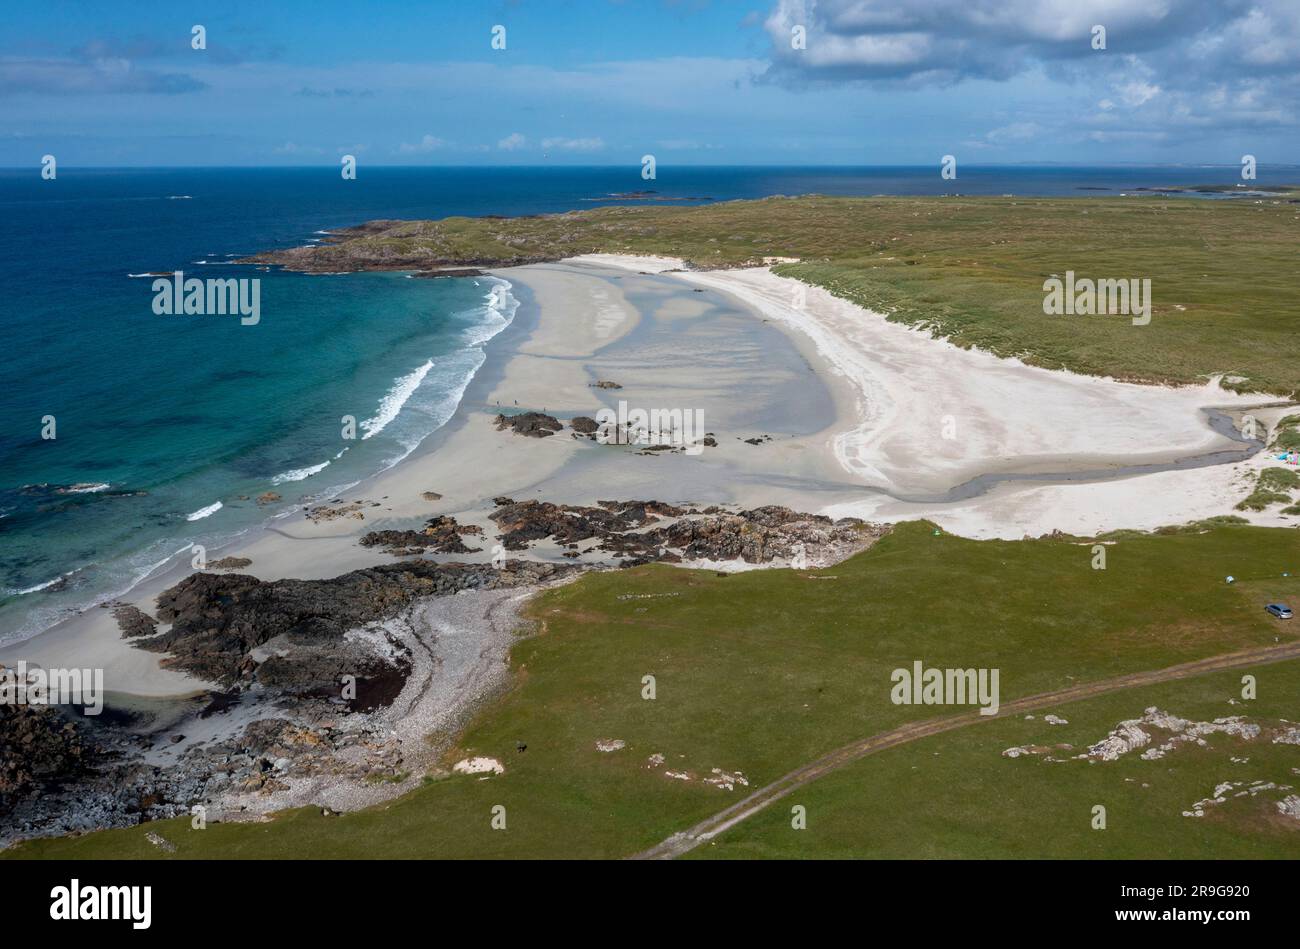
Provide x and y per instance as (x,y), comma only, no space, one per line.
(293,148)
(429,143)
(573,144)
(512,142)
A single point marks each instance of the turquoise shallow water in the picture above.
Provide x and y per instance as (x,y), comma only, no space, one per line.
(199,411)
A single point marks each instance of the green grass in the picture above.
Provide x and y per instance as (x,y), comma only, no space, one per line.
(1273,486)
(964,799)
(1223,272)
(1286,437)
(761,672)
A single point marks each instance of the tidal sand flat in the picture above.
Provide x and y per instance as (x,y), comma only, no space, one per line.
(929,417)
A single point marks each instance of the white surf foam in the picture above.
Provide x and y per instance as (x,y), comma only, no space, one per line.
(397,396)
(299,474)
(203,512)
(38,587)
(86,488)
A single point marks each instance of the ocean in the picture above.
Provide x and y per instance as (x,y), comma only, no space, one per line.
(168,429)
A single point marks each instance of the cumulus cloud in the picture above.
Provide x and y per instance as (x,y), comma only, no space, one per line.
(428,143)
(1171,70)
(512,142)
(573,144)
(945,41)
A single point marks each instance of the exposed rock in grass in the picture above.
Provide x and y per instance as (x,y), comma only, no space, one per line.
(480,765)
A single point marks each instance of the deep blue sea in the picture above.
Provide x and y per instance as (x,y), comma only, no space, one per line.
(159,419)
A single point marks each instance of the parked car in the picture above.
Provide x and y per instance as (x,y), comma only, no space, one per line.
(1278,610)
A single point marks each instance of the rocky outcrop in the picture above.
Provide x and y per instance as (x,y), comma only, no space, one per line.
(39,750)
(531,424)
(632,531)
(349,250)
(441,535)
(134,622)
(219,623)
(230,563)
(527,521)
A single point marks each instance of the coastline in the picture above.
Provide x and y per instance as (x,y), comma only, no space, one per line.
(845,433)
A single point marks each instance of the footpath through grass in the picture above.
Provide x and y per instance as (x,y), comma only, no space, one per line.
(956,796)
(761,672)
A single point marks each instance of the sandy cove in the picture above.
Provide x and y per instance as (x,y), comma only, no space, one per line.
(906,389)
(854,407)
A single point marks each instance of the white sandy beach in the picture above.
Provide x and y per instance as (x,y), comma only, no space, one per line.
(849,407)
(929,416)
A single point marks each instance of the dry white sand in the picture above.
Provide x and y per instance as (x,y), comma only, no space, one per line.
(930,415)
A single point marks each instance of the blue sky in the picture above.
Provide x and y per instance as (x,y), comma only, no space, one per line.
(690,81)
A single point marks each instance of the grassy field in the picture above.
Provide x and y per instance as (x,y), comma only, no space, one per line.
(966,800)
(760,672)
(1223,273)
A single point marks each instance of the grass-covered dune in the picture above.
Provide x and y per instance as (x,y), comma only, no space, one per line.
(762,672)
(1223,273)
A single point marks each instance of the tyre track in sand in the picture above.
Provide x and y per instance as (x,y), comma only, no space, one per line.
(687,840)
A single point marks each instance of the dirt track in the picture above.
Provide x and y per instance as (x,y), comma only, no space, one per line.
(707,829)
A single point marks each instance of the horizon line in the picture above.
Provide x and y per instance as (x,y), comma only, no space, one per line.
(635,165)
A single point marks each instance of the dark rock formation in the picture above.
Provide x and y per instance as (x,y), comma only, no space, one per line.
(631,530)
(441,534)
(530,521)
(532,424)
(39,749)
(133,621)
(583,425)
(230,563)
(219,620)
